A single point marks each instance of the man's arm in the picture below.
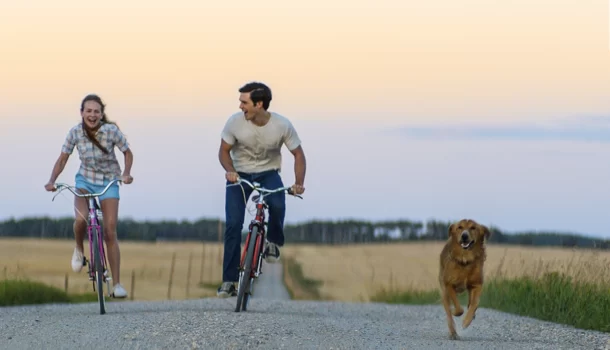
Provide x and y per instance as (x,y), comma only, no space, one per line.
(224,156)
(300,165)
(293,143)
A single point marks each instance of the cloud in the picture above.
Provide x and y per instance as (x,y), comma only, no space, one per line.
(585,129)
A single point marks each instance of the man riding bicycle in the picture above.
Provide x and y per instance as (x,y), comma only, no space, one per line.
(250,148)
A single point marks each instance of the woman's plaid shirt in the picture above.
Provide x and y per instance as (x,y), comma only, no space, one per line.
(96,166)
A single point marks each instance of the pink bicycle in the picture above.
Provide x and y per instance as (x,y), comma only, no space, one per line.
(98,272)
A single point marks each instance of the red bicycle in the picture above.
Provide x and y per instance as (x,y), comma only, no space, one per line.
(252,254)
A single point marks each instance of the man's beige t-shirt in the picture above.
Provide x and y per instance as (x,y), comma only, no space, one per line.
(258,148)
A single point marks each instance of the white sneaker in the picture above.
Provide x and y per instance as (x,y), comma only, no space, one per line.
(77,260)
(119,291)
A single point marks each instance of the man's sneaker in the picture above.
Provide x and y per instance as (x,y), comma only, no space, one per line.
(78,260)
(119,291)
(226,290)
(271,253)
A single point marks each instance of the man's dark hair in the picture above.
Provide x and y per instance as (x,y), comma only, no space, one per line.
(259,92)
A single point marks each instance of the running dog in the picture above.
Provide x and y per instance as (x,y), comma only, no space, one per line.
(461,269)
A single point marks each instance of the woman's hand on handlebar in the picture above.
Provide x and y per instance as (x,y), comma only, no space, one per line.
(126,179)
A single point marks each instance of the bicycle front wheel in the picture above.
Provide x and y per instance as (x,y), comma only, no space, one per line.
(99,269)
(244,278)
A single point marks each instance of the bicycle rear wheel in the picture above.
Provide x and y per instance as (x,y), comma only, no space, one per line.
(99,270)
(245,273)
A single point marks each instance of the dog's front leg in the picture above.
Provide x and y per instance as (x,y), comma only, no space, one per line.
(470,294)
(446,304)
(457,311)
(473,299)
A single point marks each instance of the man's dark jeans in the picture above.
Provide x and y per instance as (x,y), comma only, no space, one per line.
(235,210)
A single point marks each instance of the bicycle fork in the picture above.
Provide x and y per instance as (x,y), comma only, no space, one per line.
(255,270)
(258,249)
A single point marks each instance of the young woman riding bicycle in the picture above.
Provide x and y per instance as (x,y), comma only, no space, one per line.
(95,138)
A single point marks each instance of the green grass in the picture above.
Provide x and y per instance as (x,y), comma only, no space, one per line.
(554,297)
(26,292)
(210,285)
(301,286)
(407,297)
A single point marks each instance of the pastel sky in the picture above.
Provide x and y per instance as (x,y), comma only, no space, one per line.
(498,111)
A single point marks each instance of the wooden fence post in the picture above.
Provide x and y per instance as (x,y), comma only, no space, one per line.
(202,263)
(210,264)
(188,274)
(171,277)
(133,283)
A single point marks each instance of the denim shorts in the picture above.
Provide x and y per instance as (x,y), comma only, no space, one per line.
(113,191)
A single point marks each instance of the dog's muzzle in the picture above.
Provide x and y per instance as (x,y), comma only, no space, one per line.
(466,242)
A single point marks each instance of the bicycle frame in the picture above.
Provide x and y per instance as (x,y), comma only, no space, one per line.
(96,240)
(95,223)
(258,222)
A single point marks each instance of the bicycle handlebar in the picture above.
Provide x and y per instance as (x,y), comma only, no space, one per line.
(288,189)
(60,186)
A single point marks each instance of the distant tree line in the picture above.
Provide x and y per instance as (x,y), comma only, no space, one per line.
(317,232)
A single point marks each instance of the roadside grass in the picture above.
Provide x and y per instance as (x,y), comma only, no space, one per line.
(578,295)
(570,299)
(554,297)
(299,287)
(15,292)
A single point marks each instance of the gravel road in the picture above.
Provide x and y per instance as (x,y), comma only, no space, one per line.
(270,284)
(273,323)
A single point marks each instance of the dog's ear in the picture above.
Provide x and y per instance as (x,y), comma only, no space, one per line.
(486,232)
(450,230)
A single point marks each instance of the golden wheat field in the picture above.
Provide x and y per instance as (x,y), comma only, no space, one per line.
(348,273)
(48,261)
(357,272)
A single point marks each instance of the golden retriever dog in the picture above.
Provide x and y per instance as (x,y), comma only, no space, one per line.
(461,269)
